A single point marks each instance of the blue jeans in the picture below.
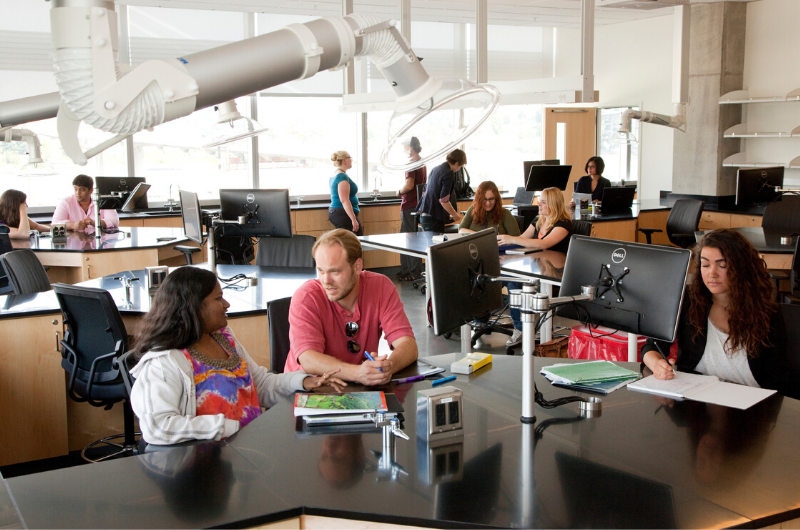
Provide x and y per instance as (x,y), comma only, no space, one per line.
(515,313)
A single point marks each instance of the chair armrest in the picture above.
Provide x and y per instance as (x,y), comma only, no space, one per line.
(645,230)
(185,249)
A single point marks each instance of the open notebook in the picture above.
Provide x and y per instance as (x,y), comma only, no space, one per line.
(704,388)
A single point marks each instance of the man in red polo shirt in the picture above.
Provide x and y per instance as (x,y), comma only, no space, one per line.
(341,315)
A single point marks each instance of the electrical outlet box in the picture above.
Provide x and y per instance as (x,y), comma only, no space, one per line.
(154,277)
(439,413)
(58,232)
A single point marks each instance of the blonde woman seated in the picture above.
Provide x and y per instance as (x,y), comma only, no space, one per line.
(194,379)
(487,212)
(551,230)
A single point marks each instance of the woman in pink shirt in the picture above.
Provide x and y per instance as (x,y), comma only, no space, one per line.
(77,210)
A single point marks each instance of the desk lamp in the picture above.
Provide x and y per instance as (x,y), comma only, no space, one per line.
(121,99)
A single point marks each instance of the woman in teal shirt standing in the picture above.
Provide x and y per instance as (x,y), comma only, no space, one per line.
(343,212)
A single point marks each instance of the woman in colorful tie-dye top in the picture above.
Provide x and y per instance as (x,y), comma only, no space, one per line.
(194,380)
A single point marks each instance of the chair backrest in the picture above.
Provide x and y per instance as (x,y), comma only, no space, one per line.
(25,272)
(582,228)
(95,336)
(795,272)
(292,251)
(5,246)
(520,222)
(791,317)
(278,318)
(784,213)
(684,218)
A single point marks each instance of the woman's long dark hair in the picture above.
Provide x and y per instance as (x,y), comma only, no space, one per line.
(749,292)
(174,320)
(9,207)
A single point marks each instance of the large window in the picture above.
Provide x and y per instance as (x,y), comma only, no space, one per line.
(621,159)
(303,134)
(510,136)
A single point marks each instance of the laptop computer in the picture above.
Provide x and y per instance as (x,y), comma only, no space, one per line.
(618,199)
(523,197)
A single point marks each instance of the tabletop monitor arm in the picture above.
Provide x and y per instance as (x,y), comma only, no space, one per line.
(533,306)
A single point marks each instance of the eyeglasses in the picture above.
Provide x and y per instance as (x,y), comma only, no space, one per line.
(490,200)
(350,329)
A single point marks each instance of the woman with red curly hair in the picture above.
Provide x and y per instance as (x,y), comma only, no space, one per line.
(487,211)
(729,326)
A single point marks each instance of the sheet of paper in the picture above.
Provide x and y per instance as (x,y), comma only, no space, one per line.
(731,395)
(680,386)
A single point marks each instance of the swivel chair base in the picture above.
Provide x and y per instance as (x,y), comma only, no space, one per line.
(124,448)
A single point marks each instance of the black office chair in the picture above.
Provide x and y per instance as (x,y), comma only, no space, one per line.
(278,318)
(187,252)
(582,228)
(791,318)
(292,251)
(792,296)
(783,214)
(232,247)
(25,272)
(682,223)
(94,340)
(5,246)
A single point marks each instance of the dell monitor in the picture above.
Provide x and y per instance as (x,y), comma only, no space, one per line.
(526,166)
(121,186)
(758,185)
(543,177)
(639,287)
(266,212)
(192,216)
(453,268)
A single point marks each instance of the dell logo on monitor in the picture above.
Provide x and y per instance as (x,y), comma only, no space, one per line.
(473,251)
(251,198)
(618,255)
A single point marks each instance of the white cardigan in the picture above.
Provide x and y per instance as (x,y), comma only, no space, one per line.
(164,397)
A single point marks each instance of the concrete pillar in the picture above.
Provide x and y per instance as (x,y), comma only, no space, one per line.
(716,66)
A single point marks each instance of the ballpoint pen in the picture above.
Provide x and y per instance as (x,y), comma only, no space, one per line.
(368,356)
(443,380)
(666,359)
(409,379)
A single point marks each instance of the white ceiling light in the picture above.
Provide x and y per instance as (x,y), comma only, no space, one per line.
(232,126)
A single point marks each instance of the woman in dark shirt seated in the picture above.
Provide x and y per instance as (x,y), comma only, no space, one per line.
(729,326)
(551,230)
(594,182)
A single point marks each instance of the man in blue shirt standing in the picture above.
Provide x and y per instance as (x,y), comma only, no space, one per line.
(435,208)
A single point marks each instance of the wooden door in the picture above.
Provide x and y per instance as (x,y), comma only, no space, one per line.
(569,134)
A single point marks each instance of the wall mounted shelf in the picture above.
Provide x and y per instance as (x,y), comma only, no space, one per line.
(743,96)
(740,160)
(740,131)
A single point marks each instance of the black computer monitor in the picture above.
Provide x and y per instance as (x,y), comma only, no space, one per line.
(121,185)
(618,198)
(453,266)
(543,177)
(640,287)
(526,166)
(757,185)
(266,212)
(192,216)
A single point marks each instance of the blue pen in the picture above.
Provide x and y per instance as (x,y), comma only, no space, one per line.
(444,380)
(368,356)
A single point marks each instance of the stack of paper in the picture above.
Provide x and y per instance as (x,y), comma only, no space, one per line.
(594,376)
(705,388)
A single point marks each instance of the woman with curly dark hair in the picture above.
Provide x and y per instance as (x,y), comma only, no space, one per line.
(729,326)
(487,211)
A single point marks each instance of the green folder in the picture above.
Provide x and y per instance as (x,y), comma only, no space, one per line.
(590,372)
